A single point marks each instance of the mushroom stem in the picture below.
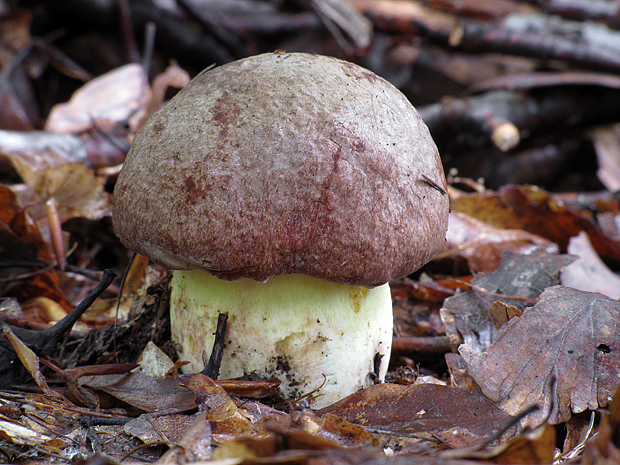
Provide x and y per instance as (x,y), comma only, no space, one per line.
(293,327)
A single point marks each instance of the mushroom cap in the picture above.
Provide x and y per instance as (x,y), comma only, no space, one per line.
(285,163)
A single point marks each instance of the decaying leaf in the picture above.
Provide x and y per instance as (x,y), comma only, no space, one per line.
(517,282)
(143,392)
(532,447)
(422,409)
(570,335)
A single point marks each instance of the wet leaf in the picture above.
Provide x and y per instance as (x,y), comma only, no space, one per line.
(569,335)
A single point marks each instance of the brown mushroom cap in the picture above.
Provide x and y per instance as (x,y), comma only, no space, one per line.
(285,163)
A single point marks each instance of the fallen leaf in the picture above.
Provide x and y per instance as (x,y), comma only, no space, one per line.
(210,397)
(76,189)
(20,434)
(164,428)
(588,272)
(482,245)
(194,446)
(500,313)
(456,417)
(570,335)
(534,210)
(607,145)
(154,362)
(102,103)
(29,360)
(517,282)
(603,448)
(143,392)
(41,150)
(533,447)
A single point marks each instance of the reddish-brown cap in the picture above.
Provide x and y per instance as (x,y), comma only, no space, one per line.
(285,163)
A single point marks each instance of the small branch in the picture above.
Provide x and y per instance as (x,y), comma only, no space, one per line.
(47,339)
(425,347)
(212,368)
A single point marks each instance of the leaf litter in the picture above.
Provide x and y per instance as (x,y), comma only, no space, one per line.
(569,336)
(518,338)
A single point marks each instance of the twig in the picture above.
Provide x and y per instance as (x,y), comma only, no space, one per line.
(47,339)
(212,368)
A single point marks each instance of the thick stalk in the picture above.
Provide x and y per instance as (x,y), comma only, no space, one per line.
(307,332)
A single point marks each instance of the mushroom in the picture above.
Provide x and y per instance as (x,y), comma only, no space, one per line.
(285,190)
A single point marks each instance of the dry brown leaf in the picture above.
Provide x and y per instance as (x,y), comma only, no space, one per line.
(518,281)
(570,335)
(143,392)
(456,417)
(76,190)
(104,102)
(299,431)
(589,273)
(482,245)
(210,397)
(534,210)
(194,446)
(159,428)
(533,447)
(500,313)
(30,362)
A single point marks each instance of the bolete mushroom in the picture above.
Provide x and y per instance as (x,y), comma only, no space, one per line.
(286,190)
